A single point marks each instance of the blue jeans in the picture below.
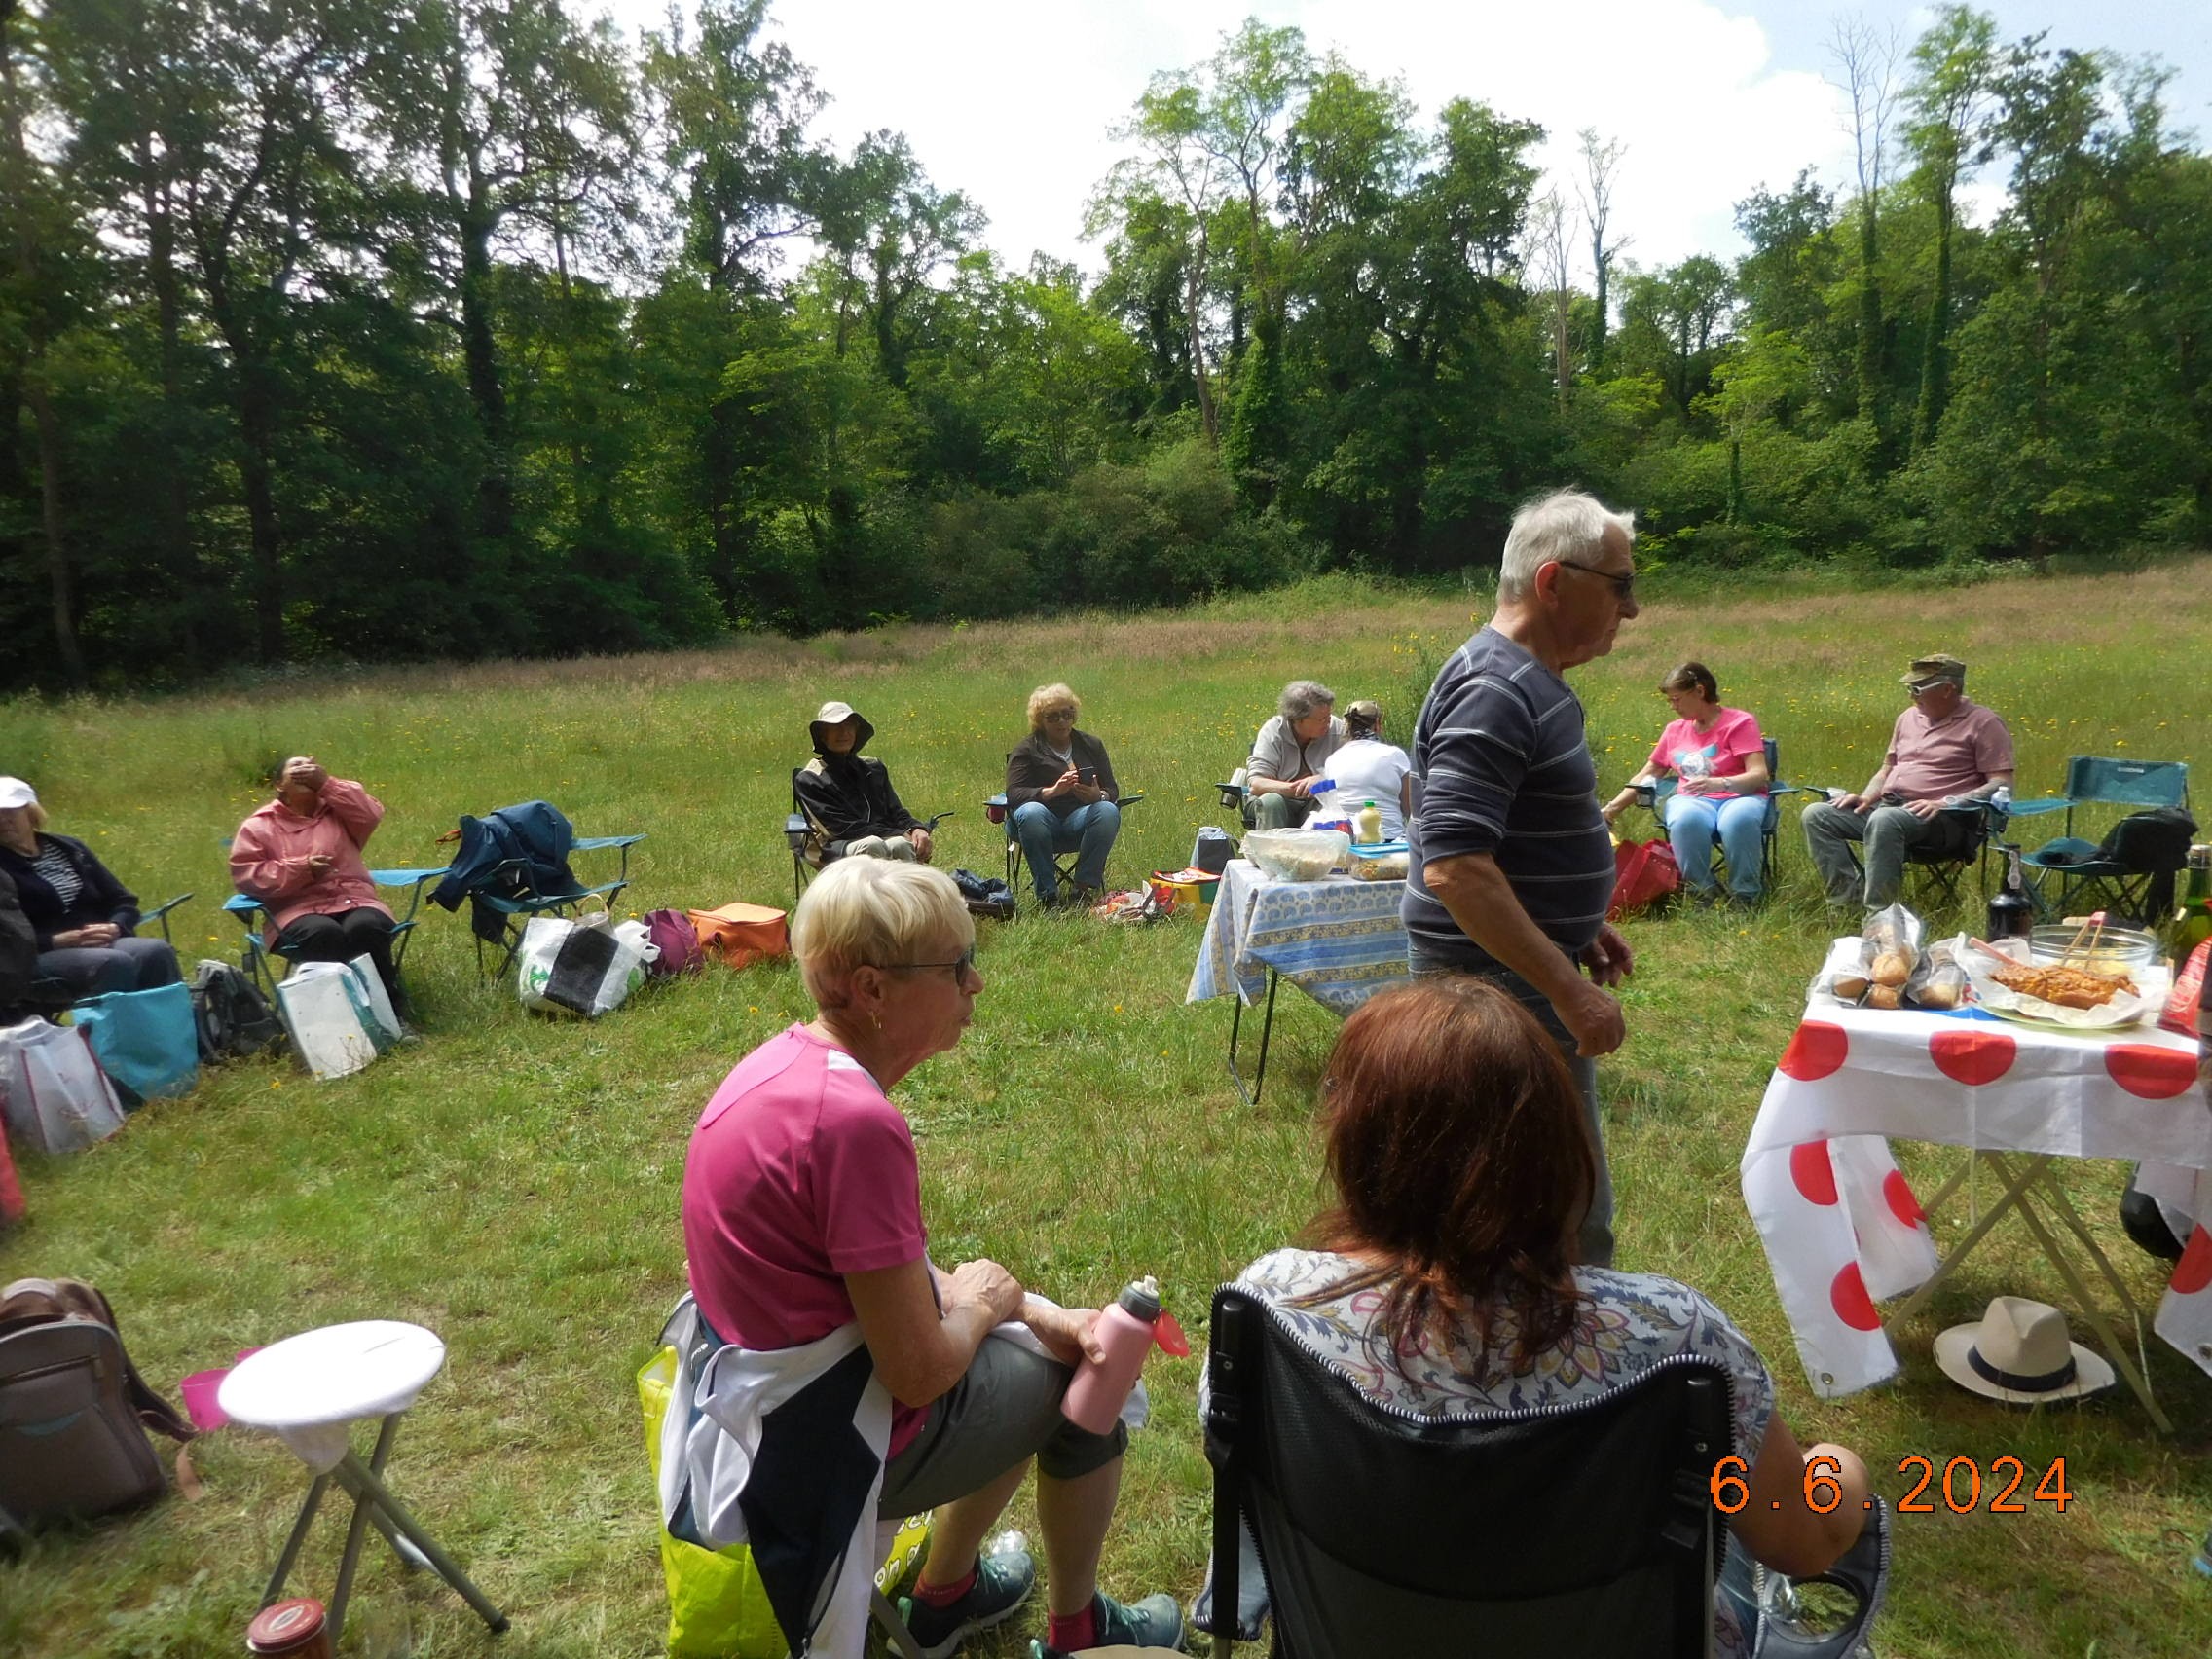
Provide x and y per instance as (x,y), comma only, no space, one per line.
(1087,829)
(1691,824)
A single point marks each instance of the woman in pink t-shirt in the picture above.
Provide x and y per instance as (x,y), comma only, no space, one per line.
(1717,760)
(802,1215)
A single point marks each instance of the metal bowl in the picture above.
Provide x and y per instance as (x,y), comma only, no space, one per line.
(2117,948)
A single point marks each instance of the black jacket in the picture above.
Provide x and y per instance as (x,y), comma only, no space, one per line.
(849,796)
(103,900)
(1034,767)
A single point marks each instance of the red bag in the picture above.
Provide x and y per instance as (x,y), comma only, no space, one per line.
(2186,1001)
(1644,874)
(675,935)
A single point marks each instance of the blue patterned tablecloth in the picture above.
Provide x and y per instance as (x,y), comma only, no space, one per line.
(1339,940)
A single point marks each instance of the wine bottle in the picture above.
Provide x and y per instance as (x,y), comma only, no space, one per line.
(2011,912)
(2191,923)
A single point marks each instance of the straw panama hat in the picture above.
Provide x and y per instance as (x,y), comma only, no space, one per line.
(2019,1353)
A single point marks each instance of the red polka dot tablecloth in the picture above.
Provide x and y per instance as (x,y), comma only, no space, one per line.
(1842,1228)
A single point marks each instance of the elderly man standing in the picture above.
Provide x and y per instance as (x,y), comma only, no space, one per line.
(1945,752)
(1512,869)
(1290,756)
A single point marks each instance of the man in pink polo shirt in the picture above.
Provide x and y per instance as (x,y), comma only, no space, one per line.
(1945,753)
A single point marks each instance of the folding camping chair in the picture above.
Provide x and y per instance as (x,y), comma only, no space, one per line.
(1595,1518)
(1937,876)
(995,808)
(809,840)
(1654,796)
(2109,877)
(504,900)
(265,964)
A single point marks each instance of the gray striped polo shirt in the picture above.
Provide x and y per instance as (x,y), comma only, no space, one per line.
(1505,769)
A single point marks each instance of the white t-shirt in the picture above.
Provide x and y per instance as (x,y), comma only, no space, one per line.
(1367,770)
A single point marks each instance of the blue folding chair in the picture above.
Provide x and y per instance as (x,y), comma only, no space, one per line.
(265,964)
(509,896)
(2085,868)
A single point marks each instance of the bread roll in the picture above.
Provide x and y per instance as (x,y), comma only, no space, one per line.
(1893,968)
(1940,992)
(1885,996)
(1849,987)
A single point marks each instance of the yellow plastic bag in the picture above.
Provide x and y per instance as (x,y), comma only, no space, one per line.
(717,1608)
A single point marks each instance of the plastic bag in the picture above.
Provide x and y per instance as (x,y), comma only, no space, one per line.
(148,1042)
(1940,980)
(717,1608)
(55,1097)
(1893,951)
(337,1014)
(584,967)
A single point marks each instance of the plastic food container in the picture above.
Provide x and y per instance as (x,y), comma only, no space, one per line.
(1298,855)
(2117,948)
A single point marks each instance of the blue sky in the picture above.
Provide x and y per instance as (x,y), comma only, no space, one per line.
(1012,100)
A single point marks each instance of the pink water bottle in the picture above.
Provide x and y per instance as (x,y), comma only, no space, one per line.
(1127,1330)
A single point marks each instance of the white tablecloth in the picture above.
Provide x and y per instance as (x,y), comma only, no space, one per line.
(1841,1225)
(1338,940)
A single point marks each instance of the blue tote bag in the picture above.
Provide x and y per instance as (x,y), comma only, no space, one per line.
(145,1040)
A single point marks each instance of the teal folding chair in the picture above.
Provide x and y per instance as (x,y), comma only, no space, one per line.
(2083,869)
(256,954)
(509,897)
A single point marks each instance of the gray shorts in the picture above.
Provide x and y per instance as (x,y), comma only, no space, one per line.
(1004,1409)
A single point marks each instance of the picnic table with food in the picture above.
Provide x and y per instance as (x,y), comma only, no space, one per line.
(2025,1051)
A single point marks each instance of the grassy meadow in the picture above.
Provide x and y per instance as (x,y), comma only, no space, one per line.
(512,1181)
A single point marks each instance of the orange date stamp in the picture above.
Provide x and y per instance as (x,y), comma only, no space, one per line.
(1957,1485)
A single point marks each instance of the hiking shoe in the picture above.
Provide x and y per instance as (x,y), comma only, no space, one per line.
(1154,1622)
(1002,1584)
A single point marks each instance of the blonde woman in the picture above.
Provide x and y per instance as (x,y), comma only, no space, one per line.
(1061,795)
(802,1222)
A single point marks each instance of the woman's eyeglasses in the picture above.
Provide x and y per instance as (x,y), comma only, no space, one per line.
(962,965)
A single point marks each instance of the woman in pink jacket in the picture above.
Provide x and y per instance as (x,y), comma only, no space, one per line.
(301,856)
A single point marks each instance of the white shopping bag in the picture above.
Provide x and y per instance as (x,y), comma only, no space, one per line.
(338,1014)
(581,966)
(55,1097)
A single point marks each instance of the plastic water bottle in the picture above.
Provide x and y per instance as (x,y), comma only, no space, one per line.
(1101,1388)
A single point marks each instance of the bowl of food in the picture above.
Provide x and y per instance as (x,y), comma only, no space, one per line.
(1298,855)
(2116,949)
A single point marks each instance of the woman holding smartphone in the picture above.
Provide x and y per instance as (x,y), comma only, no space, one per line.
(1060,795)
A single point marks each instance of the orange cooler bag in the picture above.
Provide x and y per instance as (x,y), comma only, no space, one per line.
(737,936)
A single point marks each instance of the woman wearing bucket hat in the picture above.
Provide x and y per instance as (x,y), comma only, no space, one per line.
(82,918)
(850,798)
(2019,1353)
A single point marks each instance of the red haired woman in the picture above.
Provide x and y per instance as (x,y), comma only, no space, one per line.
(1444,1281)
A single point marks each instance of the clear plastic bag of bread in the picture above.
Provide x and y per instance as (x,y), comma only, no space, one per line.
(1893,951)
(1940,981)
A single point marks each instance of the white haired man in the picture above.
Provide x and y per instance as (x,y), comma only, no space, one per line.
(1290,756)
(1512,869)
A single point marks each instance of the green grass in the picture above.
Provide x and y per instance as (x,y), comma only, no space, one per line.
(512,1181)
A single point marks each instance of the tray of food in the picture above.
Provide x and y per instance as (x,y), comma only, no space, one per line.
(2065,995)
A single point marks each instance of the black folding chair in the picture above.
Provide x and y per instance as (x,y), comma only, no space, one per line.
(1936,876)
(809,840)
(1588,1529)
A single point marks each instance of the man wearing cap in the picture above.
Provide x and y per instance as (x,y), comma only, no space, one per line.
(850,799)
(1945,752)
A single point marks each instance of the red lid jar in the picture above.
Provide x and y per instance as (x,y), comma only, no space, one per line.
(297,1629)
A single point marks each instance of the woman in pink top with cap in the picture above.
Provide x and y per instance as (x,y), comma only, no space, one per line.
(1718,760)
(301,856)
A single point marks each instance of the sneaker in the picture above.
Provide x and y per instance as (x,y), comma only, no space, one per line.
(1002,1584)
(1154,1622)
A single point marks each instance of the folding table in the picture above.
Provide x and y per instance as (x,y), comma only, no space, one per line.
(1338,940)
(1844,1231)
(309,1391)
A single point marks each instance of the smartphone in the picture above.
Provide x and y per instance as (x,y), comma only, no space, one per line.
(1087,775)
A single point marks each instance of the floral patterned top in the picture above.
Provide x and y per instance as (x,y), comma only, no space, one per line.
(1628,1323)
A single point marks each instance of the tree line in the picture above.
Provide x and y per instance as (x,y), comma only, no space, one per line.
(451,328)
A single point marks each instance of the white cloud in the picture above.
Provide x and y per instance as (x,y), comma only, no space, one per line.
(1012,102)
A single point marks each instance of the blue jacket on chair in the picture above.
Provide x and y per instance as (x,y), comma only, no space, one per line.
(533,833)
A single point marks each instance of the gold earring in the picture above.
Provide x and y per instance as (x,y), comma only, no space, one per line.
(875,1020)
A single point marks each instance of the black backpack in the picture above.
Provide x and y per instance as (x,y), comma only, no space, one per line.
(73,1410)
(232,1016)
(2153,843)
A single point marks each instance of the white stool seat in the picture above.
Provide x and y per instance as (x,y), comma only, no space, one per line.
(307,1389)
